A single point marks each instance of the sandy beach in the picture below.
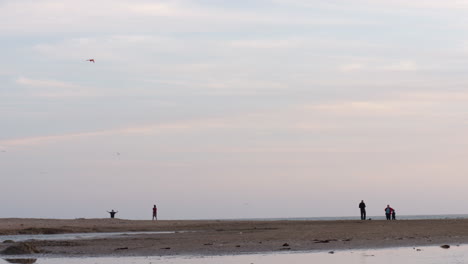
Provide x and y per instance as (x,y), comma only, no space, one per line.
(233,237)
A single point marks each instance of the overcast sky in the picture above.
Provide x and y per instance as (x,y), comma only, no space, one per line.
(233,109)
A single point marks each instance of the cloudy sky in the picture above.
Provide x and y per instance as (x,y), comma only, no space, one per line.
(233,109)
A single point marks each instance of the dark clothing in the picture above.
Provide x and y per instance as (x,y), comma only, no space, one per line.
(112,214)
(155,213)
(363,214)
(393,215)
(362,206)
(388,212)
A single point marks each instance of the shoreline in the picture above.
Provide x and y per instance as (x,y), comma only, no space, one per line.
(227,237)
(199,255)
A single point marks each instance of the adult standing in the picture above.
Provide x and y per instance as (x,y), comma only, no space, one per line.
(388,211)
(155,213)
(112,213)
(362,206)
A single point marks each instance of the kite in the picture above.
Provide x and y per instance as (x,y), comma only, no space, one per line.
(91,60)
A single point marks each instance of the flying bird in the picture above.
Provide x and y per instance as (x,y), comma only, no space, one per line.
(91,60)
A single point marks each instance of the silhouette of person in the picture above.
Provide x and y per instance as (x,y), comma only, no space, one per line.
(393,215)
(388,212)
(112,213)
(362,206)
(155,213)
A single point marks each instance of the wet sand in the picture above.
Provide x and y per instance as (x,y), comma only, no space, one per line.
(233,237)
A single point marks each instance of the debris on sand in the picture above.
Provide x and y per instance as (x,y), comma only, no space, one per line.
(21,249)
(121,248)
(445,246)
(285,245)
(324,241)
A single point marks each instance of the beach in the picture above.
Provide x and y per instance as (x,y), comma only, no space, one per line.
(221,237)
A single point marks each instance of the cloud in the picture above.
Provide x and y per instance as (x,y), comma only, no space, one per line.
(265,43)
(175,127)
(408,104)
(401,106)
(4,72)
(439,97)
(44,83)
(139,16)
(401,66)
(427,4)
(48,16)
(258,121)
(283,129)
(138,49)
(352,67)
(54,88)
(168,9)
(380,65)
(386,107)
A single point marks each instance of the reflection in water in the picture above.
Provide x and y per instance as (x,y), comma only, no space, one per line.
(420,255)
(22,260)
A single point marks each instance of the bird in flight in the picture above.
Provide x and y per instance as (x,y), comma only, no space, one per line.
(91,60)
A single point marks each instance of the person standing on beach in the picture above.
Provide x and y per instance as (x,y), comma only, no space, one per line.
(388,211)
(393,214)
(362,206)
(112,213)
(155,213)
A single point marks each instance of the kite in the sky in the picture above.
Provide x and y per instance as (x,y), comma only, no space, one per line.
(91,60)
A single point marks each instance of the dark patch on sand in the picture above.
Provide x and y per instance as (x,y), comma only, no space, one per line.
(21,249)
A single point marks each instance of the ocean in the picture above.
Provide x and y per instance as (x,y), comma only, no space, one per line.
(357,217)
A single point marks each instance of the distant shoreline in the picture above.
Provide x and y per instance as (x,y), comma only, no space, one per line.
(356,217)
(220,237)
(302,218)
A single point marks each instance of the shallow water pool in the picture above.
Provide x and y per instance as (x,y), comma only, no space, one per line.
(426,255)
(73,236)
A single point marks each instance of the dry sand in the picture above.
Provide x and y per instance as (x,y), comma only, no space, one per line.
(234,237)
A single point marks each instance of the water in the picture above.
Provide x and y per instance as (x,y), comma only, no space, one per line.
(74,236)
(357,217)
(426,255)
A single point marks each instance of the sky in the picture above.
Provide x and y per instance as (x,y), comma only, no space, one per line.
(216,109)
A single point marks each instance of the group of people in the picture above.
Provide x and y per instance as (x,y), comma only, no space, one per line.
(389,212)
(155,213)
